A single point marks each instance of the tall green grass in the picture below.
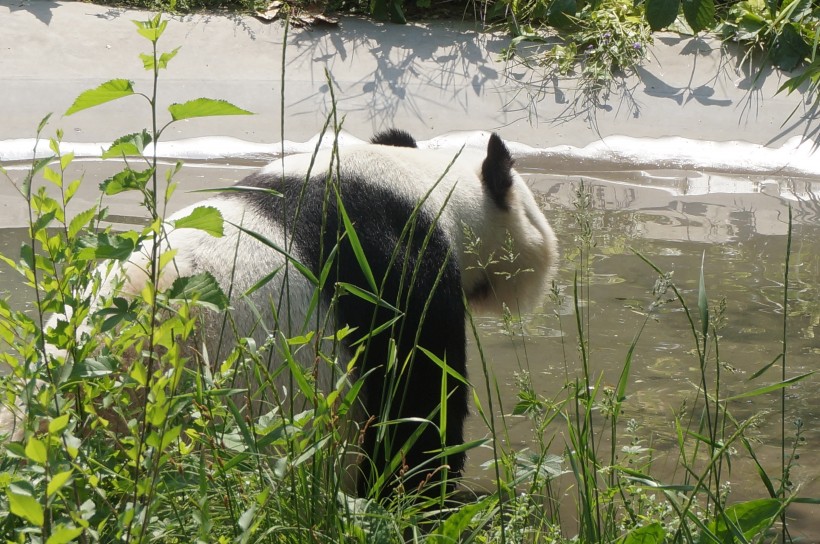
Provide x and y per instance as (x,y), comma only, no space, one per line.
(125,438)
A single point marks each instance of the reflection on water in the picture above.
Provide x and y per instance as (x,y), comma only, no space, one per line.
(673,218)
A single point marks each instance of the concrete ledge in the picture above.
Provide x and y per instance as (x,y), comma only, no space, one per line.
(429,79)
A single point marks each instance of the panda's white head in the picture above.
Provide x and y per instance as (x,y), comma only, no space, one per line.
(509,249)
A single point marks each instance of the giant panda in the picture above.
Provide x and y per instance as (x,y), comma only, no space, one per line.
(429,227)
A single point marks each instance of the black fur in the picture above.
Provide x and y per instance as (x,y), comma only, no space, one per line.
(425,286)
(394,137)
(496,171)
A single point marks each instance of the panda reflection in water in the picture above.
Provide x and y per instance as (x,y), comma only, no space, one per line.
(417,215)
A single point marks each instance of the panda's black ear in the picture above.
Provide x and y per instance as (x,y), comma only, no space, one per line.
(394,137)
(496,171)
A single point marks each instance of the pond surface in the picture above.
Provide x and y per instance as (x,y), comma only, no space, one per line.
(737,224)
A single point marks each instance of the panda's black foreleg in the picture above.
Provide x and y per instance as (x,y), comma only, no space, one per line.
(409,454)
(405,398)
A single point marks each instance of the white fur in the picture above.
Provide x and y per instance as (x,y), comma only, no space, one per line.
(238,261)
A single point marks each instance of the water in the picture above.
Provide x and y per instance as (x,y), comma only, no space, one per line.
(678,203)
(736,224)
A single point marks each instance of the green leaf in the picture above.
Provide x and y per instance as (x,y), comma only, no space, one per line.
(648,534)
(80,221)
(561,12)
(127,180)
(204,107)
(26,507)
(36,451)
(164,59)
(205,218)
(64,534)
(152,29)
(769,388)
(58,481)
(751,518)
(661,13)
(58,424)
(43,123)
(92,368)
(130,145)
(106,246)
(452,529)
(388,10)
(120,309)
(203,288)
(789,49)
(108,91)
(356,246)
(700,14)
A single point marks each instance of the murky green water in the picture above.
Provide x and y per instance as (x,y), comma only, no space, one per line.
(674,219)
(739,226)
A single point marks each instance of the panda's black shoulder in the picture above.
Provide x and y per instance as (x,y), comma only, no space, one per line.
(394,137)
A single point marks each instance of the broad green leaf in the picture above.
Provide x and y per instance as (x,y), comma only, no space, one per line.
(56,425)
(661,13)
(92,368)
(452,528)
(107,246)
(66,159)
(64,534)
(204,107)
(26,507)
(130,145)
(108,91)
(139,373)
(700,14)
(203,288)
(789,49)
(49,174)
(36,451)
(205,218)
(80,221)
(127,180)
(751,518)
(647,534)
(120,309)
(561,12)
(58,481)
